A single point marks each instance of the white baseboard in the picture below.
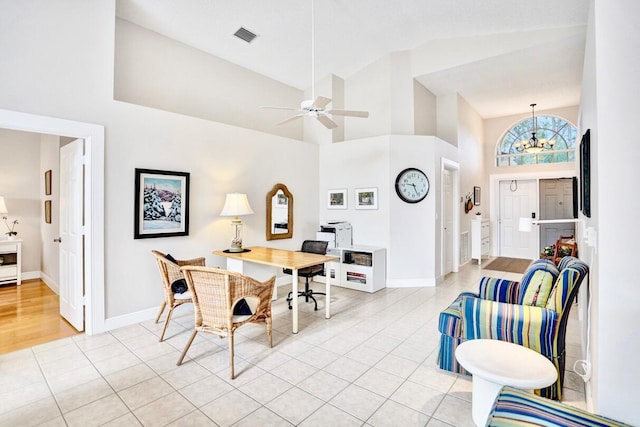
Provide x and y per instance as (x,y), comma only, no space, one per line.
(48,280)
(29,275)
(131,318)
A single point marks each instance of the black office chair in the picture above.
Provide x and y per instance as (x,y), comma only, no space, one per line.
(313,247)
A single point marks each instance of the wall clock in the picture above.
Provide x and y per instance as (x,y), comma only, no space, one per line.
(412,185)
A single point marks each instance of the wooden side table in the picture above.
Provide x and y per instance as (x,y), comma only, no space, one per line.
(494,364)
(11,261)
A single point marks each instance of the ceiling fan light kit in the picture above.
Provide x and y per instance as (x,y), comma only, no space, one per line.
(315,107)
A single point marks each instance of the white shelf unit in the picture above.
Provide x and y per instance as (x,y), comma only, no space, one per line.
(11,267)
(480,239)
(362,268)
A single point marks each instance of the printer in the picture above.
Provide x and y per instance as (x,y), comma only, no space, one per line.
(337,233)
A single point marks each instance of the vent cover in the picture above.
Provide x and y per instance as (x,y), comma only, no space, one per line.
(245,34)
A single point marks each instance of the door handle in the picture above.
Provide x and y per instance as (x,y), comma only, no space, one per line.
(58,240)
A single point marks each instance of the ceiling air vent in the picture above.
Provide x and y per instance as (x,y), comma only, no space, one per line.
(245,34)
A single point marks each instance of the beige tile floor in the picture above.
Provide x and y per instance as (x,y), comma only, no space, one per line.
(372,364)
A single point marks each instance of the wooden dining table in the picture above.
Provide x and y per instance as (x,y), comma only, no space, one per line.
(282,258)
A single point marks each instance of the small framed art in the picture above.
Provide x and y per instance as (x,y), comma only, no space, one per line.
(161,204)
(47,211)
(367,198)
(47,183)
(337,199)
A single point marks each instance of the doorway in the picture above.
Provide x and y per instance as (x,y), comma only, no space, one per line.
(450,240)
(526,206)
(93,201)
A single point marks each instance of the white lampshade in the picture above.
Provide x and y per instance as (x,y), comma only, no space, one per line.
(3,207)
(525,225)
(236,204)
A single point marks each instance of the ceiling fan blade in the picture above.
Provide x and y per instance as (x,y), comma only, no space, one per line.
(321,102)
(297,116)
(279,108)
(349,113)
(327,122)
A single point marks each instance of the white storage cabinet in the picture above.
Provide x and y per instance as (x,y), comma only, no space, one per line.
(480,239)
(11,265)
(362,268)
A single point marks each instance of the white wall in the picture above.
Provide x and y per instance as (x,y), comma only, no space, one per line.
(40,43)
(21,185)
(50,160)
(610,110)
(424,110)
(409,232)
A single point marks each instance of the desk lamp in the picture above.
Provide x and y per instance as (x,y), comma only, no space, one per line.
(236,204)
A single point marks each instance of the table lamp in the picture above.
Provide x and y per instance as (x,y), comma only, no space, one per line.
(236,204)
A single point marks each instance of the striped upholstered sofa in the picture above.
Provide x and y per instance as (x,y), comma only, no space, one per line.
(514,407)
(533,313)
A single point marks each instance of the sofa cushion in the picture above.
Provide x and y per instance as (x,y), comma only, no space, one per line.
(537,283)
(518,407)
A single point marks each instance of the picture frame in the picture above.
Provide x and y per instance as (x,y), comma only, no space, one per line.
(47,211)
(161,206)
(337,199)
(282,201)
(366,198)
(585,173)
(476,196)
(47,183)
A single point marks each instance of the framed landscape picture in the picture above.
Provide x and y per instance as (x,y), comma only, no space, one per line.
(337,199)
(161,204)
(367,198)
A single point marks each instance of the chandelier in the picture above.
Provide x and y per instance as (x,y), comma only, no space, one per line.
(534,145)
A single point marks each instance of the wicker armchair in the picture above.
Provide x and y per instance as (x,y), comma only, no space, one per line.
(170,272)
(217,294)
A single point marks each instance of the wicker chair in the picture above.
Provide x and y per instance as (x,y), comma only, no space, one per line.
(170,272)
(216,293)
(313,247)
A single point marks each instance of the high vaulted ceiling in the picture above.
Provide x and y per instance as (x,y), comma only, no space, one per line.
(533,51)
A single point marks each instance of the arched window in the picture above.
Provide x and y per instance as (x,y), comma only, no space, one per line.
(550,128)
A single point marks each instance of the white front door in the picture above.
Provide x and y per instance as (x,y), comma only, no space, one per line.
(71,233)
(518,198)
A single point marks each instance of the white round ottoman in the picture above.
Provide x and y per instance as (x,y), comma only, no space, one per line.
(494,364)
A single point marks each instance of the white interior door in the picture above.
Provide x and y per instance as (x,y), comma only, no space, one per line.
(448,221)
(518,198)
(71,233)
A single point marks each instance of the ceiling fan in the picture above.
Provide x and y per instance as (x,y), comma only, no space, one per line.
(315,107)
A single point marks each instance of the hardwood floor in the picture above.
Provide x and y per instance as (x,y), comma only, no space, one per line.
(30,315)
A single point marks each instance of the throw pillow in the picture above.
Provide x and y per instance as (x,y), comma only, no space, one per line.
(172,259)
(242,308)
(179,286)
(538,289)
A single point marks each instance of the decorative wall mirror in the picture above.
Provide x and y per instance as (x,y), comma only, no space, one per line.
(279,213)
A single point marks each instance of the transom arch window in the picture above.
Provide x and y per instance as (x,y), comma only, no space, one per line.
(551,128)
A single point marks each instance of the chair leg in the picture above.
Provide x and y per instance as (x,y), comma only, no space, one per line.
(166,323)
(269,330)
(231,367)
(186,348)
(164,304)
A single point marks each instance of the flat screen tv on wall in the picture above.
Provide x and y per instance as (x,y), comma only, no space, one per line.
(585,174)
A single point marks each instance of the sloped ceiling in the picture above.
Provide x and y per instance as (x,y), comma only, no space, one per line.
(350,34)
